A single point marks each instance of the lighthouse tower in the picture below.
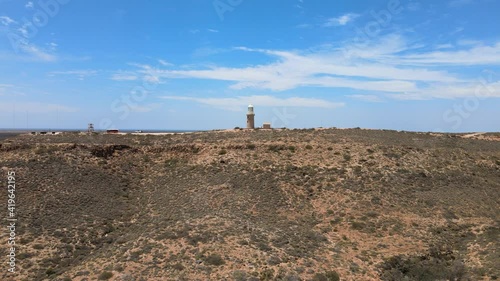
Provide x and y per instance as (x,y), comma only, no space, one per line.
(250,118)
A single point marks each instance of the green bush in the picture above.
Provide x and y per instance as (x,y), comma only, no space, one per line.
(106,275)
(222,152)
(267,274)
(214,259)
(171,162)
(276,147)
(439,264)
(319,277)
(327,276)
(332,275)
(309,147)
(239,275)
(50,271)
(357,225)
(178,267)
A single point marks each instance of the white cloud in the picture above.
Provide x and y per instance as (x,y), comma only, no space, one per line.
(124,77)
(37,53)
(480,89)
(80,74)
(5,20)
(207,51)
(239,103)
(145,108)
(212,30)
(388,66)
(24,30)
(444,46)
(468,42)
(4,87)
(152,78)
(367,98)
(326,69)
(475,55)
(29,5)
(165,63)
(342,20)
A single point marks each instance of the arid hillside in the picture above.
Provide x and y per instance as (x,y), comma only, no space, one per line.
(317,204)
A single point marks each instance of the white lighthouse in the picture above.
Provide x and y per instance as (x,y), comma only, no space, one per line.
(250,118)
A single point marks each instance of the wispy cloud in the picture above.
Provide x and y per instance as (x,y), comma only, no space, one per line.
(37,53)
(342,20)
(212,30)
(475,55)
(5,20)
(145,108)
(207,51)
(325,69)
(80,74)
(239,103)
(457,30)
(165,63)
(4,87)
(24,29)
(476,89)
(124,76)
(388,66)
(367,98)
(29,5)
(444,46)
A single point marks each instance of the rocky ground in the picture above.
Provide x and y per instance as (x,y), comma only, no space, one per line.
(317,204)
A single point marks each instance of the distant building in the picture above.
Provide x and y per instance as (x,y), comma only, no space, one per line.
(266,125)
(250,118)
(112,131)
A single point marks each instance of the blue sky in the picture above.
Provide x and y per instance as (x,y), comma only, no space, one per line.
(389,64)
